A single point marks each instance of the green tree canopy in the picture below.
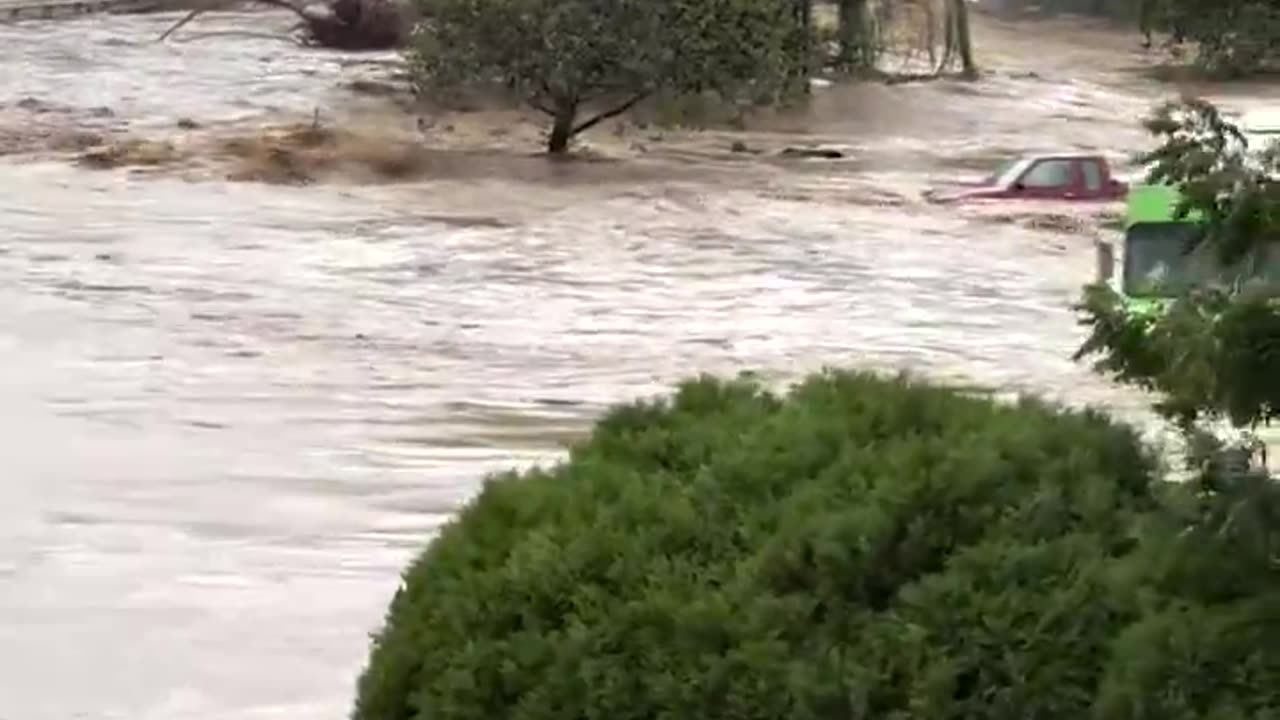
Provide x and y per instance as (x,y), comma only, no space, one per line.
(1233,185)
(584,61)
(1230,37)
(858,548)
(1212,353)
(1216,351)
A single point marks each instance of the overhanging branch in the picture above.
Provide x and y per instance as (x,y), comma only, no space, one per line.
(218,4)
(540,106)
(615,111)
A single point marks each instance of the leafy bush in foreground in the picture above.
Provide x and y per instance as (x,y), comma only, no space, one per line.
(1210,354)
(860,548)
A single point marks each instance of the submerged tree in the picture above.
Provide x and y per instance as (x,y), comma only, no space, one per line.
(584,61)
(869,30)
(858,40)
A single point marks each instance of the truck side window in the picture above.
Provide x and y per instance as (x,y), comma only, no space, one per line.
(1092,175)
(1048,174)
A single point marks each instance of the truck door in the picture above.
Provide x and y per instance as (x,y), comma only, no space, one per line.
(1048,179)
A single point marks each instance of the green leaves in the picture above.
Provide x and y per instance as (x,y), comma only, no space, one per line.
(1235,187)
(860,547)
(1197,662)
(1231,37)
(563,56)
(1214,353)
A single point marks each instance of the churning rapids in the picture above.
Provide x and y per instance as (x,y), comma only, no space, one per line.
(231,411)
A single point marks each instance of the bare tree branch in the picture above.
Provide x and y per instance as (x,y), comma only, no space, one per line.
(240,33)
(185,19)
(540,106)
(216,4)
(611,113)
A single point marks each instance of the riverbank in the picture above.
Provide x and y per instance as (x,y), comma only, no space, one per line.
(365,125)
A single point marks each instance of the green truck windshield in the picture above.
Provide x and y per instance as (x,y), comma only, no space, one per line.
(1165,259)
(1163,256)
(1160,259)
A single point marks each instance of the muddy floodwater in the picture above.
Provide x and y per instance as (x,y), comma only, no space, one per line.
(230,411)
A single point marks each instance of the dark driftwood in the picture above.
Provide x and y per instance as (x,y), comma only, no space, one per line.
(361,25)
(341,24)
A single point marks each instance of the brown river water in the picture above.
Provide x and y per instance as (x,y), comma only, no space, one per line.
(231,411)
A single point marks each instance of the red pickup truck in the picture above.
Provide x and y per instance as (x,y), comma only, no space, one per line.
(1061,176)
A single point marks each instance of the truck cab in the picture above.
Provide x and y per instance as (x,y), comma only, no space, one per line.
(1159,257)
(1065,177)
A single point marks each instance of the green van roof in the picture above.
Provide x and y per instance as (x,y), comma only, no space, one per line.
(1154,202)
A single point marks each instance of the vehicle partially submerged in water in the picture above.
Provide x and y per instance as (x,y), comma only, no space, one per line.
(1070,177)
(1160,257)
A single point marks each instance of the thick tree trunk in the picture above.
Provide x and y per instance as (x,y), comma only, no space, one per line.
(957,39)
(948,40)
(562,129)
(803,11)
(856,41)
(964,39)
(1146,20)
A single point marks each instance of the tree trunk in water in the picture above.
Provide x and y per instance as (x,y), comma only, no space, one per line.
(1146,20)
(803,10)
(931,33)
(948,40)
(856,49)
(562,127)
(959,12)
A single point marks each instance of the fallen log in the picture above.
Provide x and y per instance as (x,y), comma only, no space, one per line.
(337,24)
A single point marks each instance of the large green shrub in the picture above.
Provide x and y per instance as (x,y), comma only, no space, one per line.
(858,548)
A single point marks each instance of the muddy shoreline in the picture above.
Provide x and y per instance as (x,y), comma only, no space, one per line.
(367,126)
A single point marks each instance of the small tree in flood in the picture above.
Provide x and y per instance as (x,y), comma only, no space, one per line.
(584,61)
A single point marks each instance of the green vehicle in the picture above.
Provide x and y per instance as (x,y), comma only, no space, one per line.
(1158,258)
